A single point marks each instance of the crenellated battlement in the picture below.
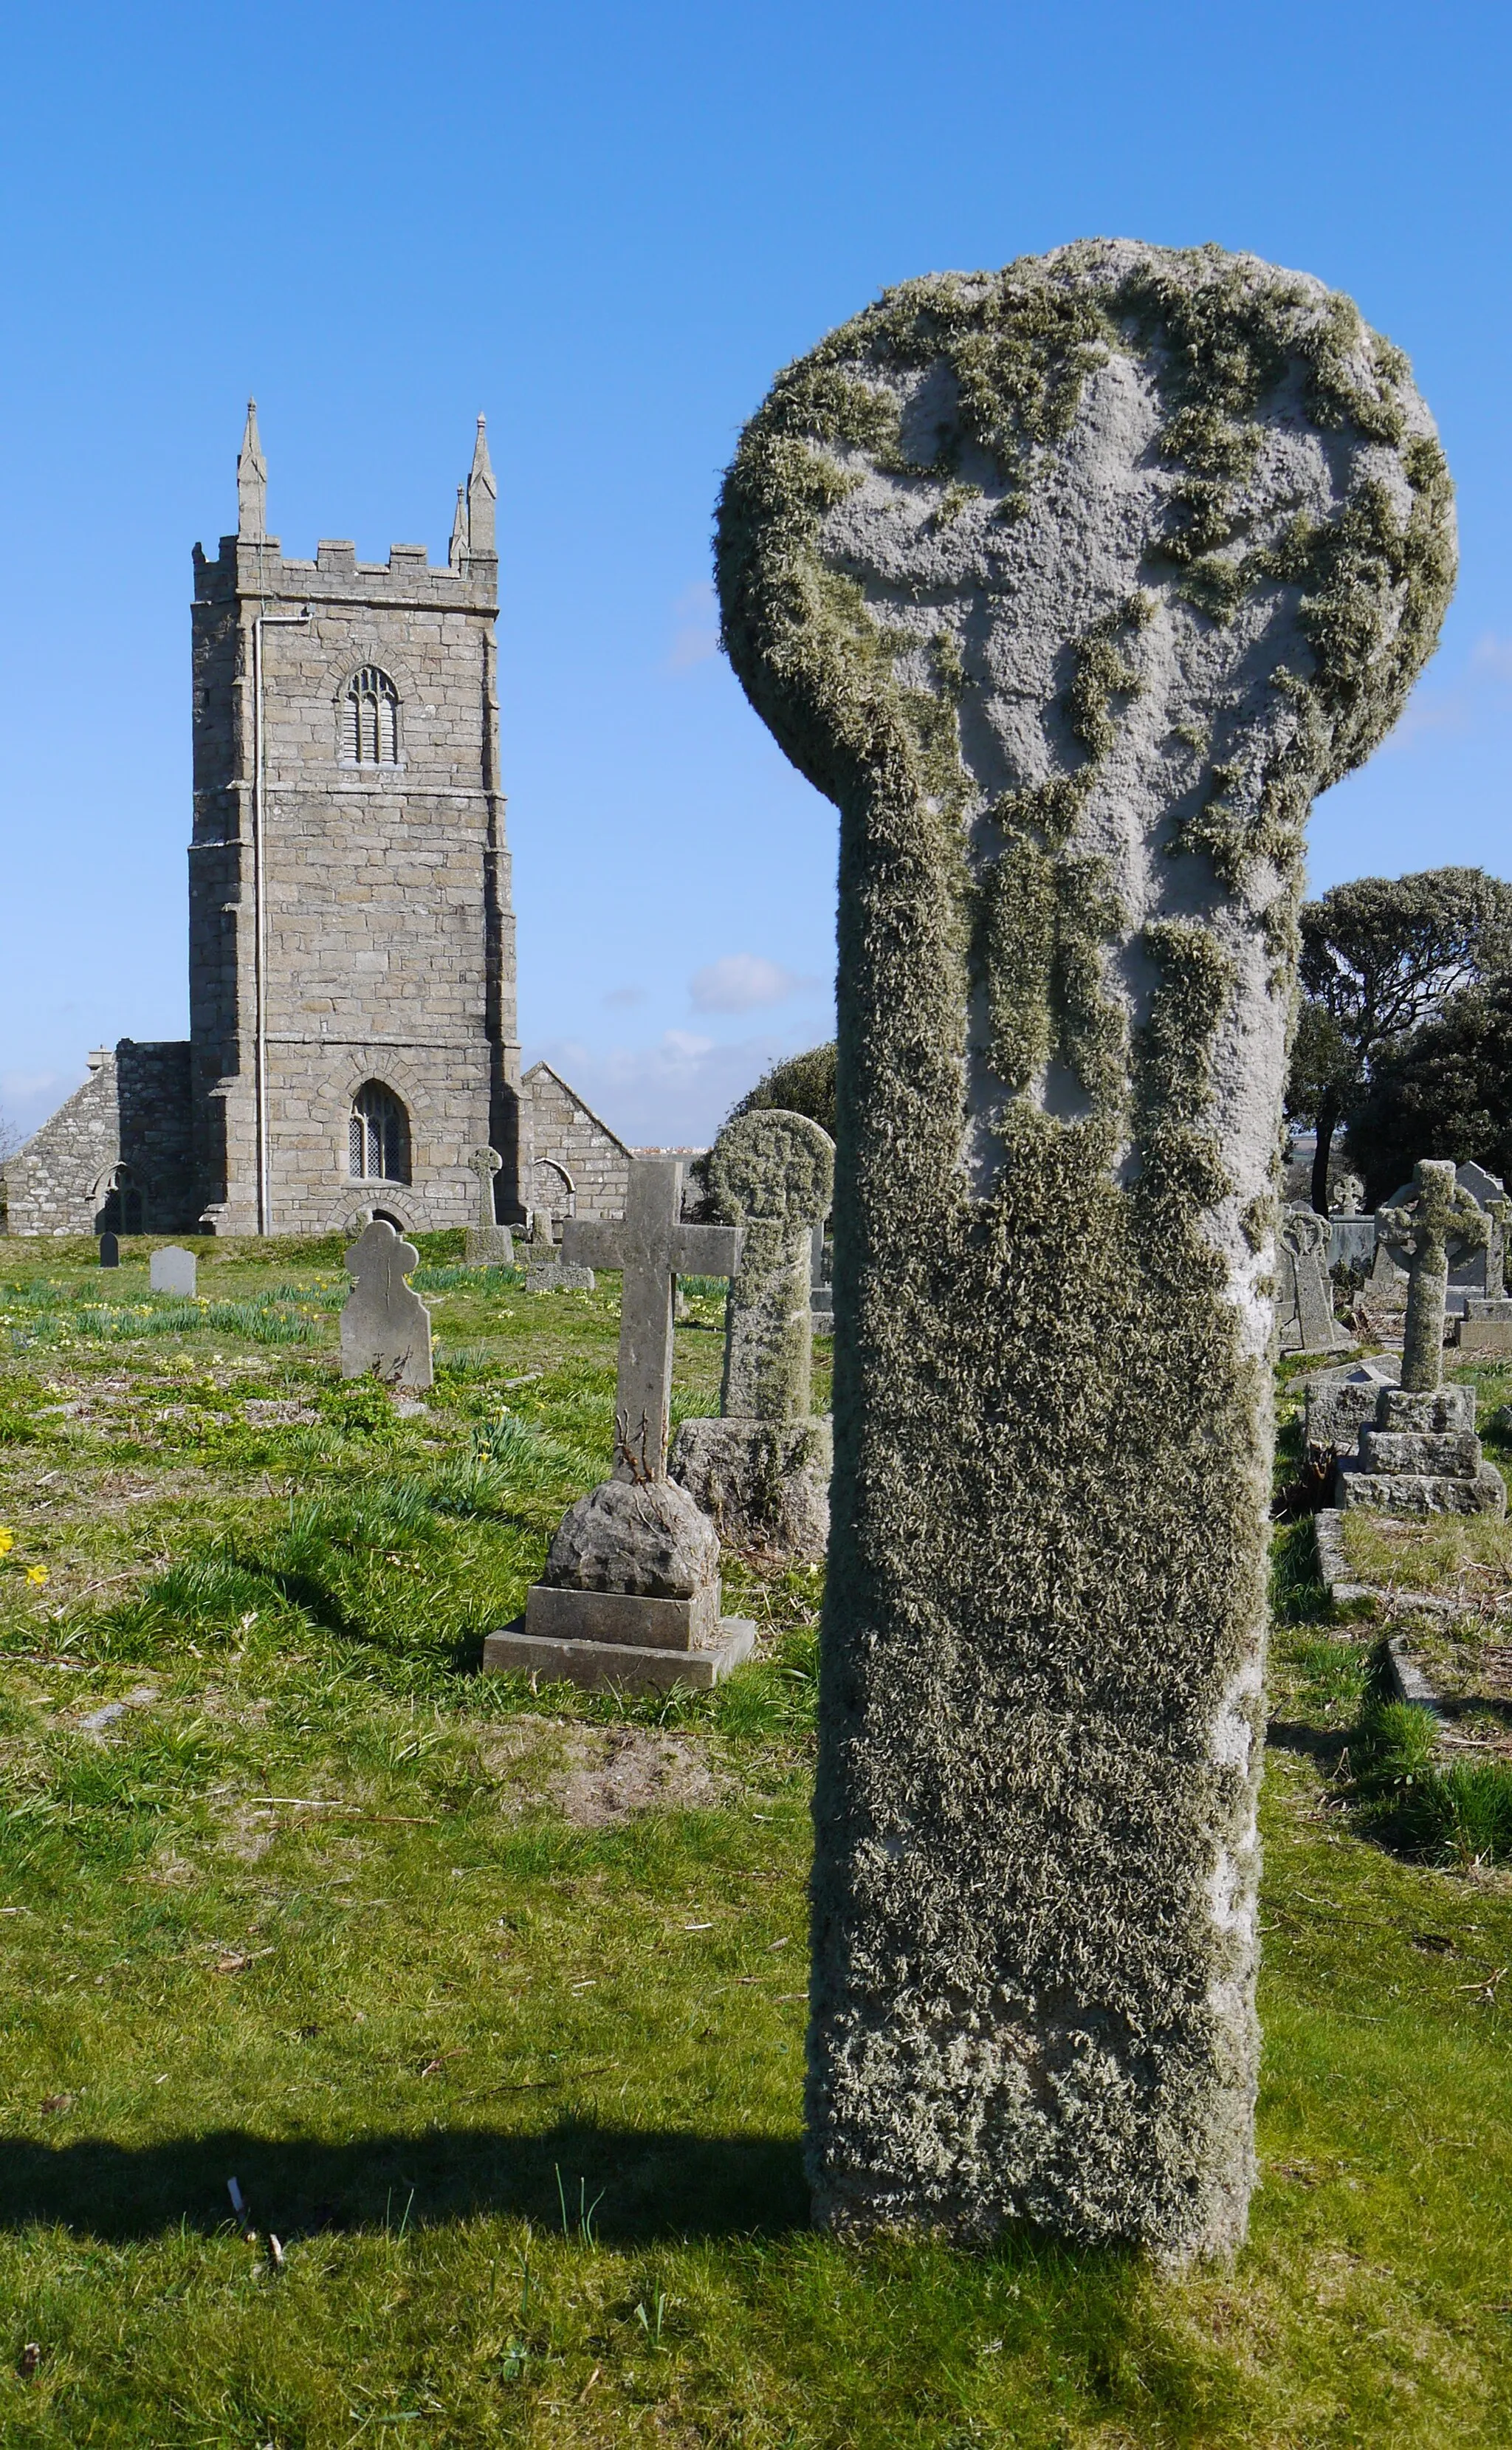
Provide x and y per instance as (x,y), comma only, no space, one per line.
(257,567)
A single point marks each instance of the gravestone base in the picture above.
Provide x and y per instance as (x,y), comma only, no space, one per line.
(1486,1325)
(1422,1456)
(558,1276)
(1340,1403)
(570,1636)
(765,1484)
(489,1246)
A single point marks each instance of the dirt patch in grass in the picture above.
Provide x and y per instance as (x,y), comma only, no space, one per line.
(597,1775)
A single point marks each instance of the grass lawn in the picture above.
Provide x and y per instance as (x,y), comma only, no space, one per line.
(490,2000)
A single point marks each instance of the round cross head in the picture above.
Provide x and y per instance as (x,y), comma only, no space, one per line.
(772,1163)
(485,1161)
(1303,1231)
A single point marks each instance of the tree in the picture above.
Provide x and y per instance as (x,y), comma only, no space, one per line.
(1445,1091)
(803,1084)
(1380,957)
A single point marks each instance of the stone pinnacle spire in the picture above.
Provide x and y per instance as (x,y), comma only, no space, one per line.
(457,550)
(251,481)
(481,494)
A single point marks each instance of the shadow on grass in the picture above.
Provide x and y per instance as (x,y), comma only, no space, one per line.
(649,2184)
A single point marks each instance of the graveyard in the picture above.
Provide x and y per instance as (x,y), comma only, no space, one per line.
(491,2000)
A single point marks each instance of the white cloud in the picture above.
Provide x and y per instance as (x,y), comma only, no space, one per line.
(672,1094)
(695,639)
(742,983)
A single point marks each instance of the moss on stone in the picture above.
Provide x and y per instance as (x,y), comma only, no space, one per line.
(1040,1700)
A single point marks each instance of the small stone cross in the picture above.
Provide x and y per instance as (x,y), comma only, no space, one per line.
(1422,1230)
(485,1163)
(653,1245)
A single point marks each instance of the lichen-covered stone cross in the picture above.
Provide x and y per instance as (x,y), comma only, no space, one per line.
(1420,1229)
(774,1174)
(653,1245)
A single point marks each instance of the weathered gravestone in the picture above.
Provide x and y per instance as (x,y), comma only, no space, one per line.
(489,1243)
(385,1326)
(762,1470)
(1475,1268)
(109,1251)
(630,1594)
(172,1270)
(1486,1325)
(1421,1454)
(546,1268)
(1304,1321)
(1072,585)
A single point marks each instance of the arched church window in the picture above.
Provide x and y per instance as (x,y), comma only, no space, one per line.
(378,1144)
(369,720)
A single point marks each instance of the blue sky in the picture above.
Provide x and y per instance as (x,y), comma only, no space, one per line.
(608,226)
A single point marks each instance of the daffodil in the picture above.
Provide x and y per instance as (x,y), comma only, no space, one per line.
(36,1576)
(8,1541)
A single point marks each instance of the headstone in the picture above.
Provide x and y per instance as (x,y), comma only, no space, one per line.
(1475,1269)
(172,1270)
(489,1243)
(385,1326)
(1351,1242)
(1486,1326)
(109,1251)
(546,1268)
(762,1470)
(1421,1454)
(1304,1321)
(1072,585)
(629,1599)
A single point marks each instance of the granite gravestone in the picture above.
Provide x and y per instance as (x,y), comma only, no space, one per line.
(1421,1454)
(109,1251)
(173,1271)
(546,1268)
(762,1470)
(385,1326)
(1071,584)
(629,1598)
(1304,1321)
(489,1243)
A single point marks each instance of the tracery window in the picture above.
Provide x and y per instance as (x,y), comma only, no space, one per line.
(377,1145)
(369,720)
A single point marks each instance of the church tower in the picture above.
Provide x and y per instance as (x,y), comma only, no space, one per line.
(351,1010)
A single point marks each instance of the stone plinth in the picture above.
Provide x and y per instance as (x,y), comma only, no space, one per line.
(619,1666)
(1486,1325)
(1340,1403)
(1422,1456)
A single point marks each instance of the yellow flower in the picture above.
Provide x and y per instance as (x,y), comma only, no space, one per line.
(8,1541)
(36,1576)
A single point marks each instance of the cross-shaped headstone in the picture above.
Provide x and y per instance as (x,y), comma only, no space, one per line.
(385,1326)
(774,1174)
(485,1163)
(1422,1229)
(653,1245)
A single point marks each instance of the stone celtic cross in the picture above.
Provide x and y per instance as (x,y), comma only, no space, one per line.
(485,1163)
(651,1245)
(774,1174)
(1422,1230)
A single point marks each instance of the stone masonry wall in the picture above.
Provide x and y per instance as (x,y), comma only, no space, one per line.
(388,939)
(579,1168)
(132,1113)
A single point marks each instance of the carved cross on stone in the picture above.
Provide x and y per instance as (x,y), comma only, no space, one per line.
(485,1163)
(1422,1230)
(653,1245)
(385,1326)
